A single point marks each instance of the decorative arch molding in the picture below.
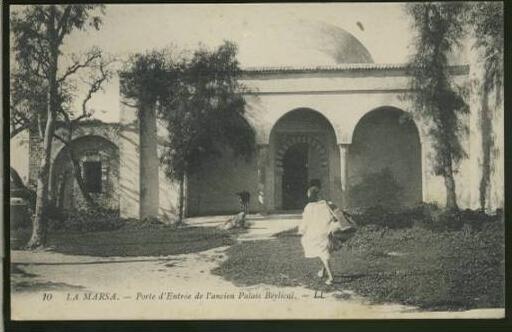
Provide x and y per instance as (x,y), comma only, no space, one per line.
(58,155)
(106,131)
(269,128)
(387,108)
(291,139)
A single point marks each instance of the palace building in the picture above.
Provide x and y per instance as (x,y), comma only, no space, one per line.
(331,117)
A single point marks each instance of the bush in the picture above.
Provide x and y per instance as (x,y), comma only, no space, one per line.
(380,216)
(377,189)
(150,223)
(425,215)
(92,220)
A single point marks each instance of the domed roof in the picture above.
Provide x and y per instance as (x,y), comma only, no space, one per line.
(300,43)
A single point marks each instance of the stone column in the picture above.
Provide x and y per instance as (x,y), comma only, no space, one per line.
(424,173)
(129,160)
(262,155)
(344,174)
(149,163)
(168,191)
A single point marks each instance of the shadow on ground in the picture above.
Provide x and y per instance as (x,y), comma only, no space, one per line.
(449,270)
(22,281)
(129,240)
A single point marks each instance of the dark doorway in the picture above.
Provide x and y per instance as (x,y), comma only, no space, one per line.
(92,172)
(295,177)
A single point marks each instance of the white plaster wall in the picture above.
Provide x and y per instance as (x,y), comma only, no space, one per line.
(344,98)
(19,154)
(213,189)
(129,161)
(496,190)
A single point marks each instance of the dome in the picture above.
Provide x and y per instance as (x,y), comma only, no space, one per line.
(300,43)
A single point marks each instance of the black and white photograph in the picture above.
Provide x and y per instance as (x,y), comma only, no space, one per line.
(256,161)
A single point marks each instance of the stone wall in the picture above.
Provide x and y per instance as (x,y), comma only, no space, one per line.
(61,168)
(213,189)
(65,191)
(343,96)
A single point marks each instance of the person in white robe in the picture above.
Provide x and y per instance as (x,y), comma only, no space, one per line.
(315,229)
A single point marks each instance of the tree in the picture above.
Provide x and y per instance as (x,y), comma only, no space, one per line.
(27,101)
(439,28)
(199,100)
(204,114)
(99,73)
(38,33)
(486,24)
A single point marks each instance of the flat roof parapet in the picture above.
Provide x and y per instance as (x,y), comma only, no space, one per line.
(398,68)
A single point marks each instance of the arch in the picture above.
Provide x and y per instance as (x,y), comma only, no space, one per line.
(59,151)
(309,131)
(311,141)
(108,131)
(105,152)
(406,116)
(269,129)
(385,160)
(351,126)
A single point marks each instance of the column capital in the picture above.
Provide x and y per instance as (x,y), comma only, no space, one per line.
(344,172)
(262,164)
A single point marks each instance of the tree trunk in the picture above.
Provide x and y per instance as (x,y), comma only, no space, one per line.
(487,144)
(39,229)
(38,238)
(449,181)
(181,198)
(77,172)
(77,168)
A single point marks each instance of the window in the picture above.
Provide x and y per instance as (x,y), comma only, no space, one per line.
(92,176)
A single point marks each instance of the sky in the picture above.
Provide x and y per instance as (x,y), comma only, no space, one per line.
(267,34)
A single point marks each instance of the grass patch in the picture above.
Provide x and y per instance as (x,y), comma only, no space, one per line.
(434,270)
(131,240)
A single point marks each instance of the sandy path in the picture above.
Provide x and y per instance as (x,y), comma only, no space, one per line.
(182,287)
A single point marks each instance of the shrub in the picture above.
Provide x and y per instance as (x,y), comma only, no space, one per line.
(383,217)
(380,188)
(55,213)
(91,220)
(446,220)
(150,223)
(425,215)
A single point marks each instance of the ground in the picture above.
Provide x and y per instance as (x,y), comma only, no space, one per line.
(449,270)
(373,275)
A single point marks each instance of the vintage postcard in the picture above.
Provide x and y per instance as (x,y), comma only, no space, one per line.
(256,161)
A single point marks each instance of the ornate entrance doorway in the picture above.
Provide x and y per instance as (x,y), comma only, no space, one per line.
(295,177)
(303,150)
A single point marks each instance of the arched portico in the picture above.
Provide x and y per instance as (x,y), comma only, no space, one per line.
(302,151)
(385,160)
(344,97)
(99,162)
